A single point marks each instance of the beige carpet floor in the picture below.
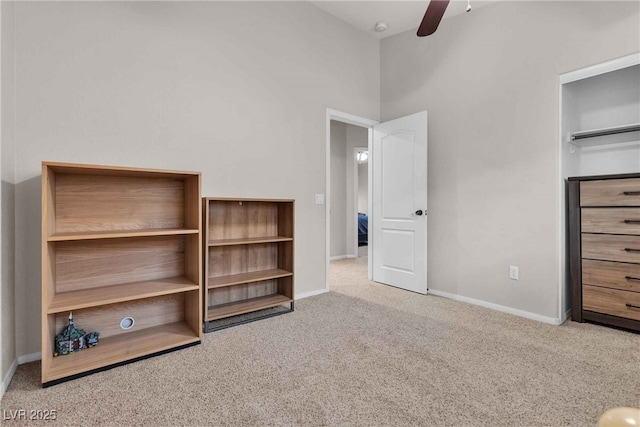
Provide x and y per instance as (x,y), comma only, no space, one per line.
(362,355)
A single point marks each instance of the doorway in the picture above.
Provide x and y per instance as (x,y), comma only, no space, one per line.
(344,217)
(349,191)
(397,226)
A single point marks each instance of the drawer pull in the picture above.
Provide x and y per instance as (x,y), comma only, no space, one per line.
(637,307)
(632,221)
(631,193)
(631,278)
(631,250)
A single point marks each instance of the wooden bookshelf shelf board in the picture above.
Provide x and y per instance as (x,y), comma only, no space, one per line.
(79,235)
(254,276)
(246,306)
(250,241)
(68,301)
(119,348)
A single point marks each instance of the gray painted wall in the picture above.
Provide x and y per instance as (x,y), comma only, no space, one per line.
(338,206)
(236,90)
(489,80)
(7,193)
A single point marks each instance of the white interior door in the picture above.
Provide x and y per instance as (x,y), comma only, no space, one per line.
(399,220)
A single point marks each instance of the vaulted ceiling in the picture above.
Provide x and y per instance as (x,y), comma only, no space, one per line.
(400,15)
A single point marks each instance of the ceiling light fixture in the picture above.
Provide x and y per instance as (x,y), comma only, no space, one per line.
(381,26)
(362,156)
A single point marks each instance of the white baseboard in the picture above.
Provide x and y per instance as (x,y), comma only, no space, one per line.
(339,257)
(502,308)
(311,294)
(27,358)
(20,360)
(7,378)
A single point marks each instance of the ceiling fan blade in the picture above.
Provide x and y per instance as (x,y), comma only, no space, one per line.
(432,17)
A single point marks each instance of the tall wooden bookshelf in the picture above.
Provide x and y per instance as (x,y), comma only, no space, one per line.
(119,243)
(248,258)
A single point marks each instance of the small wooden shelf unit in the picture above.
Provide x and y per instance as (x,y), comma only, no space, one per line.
(248,257)
(119,242)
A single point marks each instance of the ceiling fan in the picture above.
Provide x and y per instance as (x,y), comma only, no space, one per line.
(433,15)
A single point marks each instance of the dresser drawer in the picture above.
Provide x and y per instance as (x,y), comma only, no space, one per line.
(609,247)
(610,192)
(611,220)
(613,275)
(611,301)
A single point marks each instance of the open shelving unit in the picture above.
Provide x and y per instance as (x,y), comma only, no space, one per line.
(248,258)
(119,243)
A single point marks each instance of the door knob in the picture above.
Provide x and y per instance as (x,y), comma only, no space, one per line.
(419,212)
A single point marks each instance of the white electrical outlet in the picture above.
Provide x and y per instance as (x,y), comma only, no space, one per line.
(319,199)
(513,272)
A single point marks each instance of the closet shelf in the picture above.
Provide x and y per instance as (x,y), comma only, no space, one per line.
(592,137)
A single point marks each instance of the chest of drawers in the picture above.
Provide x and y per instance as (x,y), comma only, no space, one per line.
(604,249)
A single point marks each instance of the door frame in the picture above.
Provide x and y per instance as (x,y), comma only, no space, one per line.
(349,119)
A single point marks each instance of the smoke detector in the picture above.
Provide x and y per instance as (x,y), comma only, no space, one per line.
(381,26)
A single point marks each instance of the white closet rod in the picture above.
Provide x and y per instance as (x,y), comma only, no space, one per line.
(605,131)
